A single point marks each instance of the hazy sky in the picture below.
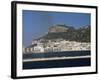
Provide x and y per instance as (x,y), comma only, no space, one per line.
(36,23)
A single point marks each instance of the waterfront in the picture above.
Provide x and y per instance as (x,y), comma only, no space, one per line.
(58,59)
(57,63)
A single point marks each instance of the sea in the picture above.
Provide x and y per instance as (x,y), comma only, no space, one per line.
(77,62)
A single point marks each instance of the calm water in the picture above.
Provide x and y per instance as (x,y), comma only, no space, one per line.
(56,63)
(55,54)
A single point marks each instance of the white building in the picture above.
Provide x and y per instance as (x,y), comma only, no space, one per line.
(39,48)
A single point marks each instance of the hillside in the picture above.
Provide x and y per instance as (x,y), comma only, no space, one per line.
(61,38)
(68,33)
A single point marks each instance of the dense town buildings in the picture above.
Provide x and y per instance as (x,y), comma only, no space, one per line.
(42,46)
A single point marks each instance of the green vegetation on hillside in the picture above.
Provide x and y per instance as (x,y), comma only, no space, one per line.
(81,34)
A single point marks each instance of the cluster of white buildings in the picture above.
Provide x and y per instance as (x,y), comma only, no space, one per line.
(56,45)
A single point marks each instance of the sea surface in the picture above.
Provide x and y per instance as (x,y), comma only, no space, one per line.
(56,63)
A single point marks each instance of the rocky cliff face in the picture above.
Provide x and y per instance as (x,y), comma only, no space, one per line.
(57,29)
(68,33)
